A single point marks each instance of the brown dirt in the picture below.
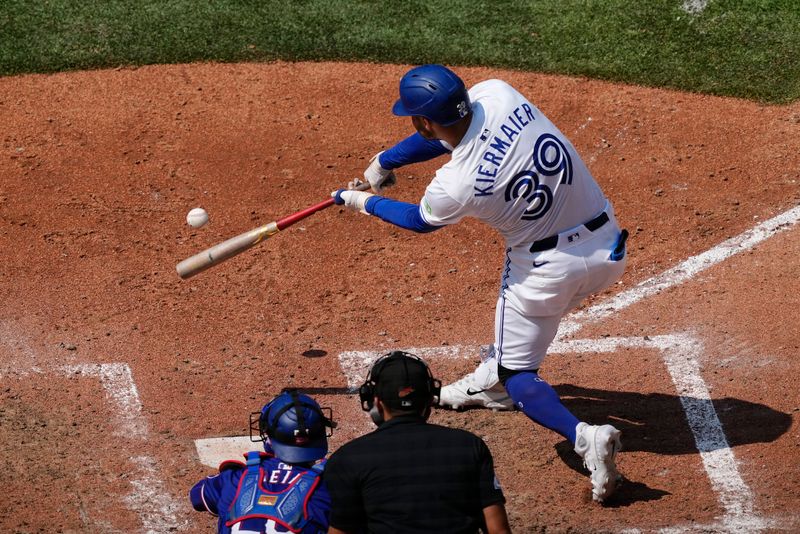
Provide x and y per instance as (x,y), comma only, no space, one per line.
(98,170)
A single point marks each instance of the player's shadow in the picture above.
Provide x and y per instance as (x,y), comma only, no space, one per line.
(657,423)
(326,390)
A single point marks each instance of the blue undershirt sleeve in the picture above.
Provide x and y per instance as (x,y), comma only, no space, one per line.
(205,494)
(412,149)
(402,214)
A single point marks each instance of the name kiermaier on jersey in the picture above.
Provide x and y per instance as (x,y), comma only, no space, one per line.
(514,124)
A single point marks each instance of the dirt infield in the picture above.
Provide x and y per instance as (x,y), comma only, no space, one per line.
(111,366)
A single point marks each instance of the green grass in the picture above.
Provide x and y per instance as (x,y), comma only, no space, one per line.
(745,48)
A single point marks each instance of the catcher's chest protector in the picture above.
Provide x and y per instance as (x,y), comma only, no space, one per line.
(287,508)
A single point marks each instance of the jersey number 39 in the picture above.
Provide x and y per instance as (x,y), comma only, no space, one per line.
(550,158)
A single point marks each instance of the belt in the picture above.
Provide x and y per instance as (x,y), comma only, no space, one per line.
(550,242)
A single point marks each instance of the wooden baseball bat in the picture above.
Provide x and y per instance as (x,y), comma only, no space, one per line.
(236,245)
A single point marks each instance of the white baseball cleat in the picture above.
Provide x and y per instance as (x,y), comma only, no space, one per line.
(598,446)
(465,393)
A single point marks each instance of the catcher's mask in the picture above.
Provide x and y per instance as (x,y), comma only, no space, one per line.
(294,426)
(403,382)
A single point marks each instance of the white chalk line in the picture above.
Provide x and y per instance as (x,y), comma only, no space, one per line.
(680,354)
(149,499)
(157,510)
(117,381)
(681,272)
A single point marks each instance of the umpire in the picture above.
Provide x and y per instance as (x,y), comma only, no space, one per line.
(409,475)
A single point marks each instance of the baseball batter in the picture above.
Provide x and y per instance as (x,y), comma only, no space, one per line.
(513,169)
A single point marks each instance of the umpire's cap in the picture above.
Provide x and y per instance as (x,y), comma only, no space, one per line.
(403,381)
(296,426)
(434,92)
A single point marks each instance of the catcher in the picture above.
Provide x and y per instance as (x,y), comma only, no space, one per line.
(280,489)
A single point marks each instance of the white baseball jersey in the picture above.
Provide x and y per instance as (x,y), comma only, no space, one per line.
(513,170)
(516,171)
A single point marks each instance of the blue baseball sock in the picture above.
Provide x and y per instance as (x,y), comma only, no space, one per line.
(539,401)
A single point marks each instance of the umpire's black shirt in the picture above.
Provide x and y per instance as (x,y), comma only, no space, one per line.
(411,476)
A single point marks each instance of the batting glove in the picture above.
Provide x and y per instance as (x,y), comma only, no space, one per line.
(378,177)
(355,200)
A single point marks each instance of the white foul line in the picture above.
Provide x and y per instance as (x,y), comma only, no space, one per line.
(149,500)
(720,464)
(681,272)
(117,381)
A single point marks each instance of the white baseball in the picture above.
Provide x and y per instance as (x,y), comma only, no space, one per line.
(197,217)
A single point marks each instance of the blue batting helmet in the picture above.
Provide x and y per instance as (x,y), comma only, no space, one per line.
(434,92)
(296,426)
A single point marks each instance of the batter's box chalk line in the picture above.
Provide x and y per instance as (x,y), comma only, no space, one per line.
(149,499)
(682,272)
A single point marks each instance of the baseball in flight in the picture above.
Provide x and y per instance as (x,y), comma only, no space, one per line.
(197,217)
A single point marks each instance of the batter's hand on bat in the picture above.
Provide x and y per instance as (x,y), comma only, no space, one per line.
(378,177)
(355,200)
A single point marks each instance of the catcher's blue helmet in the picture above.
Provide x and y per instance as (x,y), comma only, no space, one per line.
(296,426)
(434,92)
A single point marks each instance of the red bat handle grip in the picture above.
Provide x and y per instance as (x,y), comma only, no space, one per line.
(302,214)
